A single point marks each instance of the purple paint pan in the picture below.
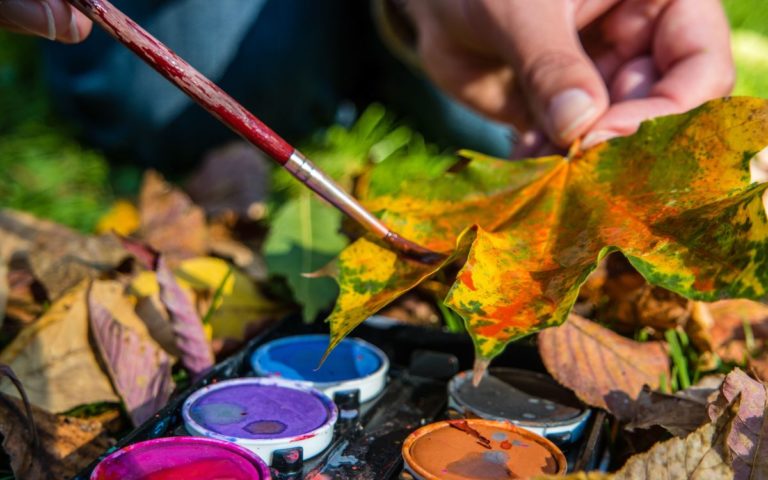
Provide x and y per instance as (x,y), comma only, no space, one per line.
(173,458)
(262,415)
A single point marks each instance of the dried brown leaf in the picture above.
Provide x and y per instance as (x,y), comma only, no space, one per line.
(58,257)
(232,179)
(748,440)
(729,318)
(603,368)
(66,446)
(701,455)
(680,414)
(170,222)
(140,370)
(54,359)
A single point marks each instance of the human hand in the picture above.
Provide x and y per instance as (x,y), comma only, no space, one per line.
(559,70)
(51,19)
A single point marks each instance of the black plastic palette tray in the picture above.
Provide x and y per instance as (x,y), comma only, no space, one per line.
(422,362)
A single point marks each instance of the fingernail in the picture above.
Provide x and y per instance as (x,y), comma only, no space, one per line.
(596,137)
(569,110)
(35,17)
(74,31)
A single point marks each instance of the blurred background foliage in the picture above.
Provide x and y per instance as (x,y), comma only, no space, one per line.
(46,171)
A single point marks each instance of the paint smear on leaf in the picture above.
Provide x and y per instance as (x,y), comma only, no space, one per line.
(676,198)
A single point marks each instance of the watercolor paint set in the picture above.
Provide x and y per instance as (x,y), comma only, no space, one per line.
(397,402)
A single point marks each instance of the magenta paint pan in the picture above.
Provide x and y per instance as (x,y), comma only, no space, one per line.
(174,458)
(262,415)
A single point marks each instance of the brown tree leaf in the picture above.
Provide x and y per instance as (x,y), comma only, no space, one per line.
(702,455)
(729,318)
(196,353)
(170,222)
(58,257)
(189,336)
(66,446)
(680,414)
(139,368)
(232,178)
(748,440)
(54,359)
(603,368)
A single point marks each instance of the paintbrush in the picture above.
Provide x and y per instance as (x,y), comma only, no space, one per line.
(241,121)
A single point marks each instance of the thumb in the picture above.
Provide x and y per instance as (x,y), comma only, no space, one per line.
(562,86)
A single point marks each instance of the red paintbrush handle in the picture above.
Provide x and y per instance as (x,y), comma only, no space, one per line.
(186,77)
(236,117)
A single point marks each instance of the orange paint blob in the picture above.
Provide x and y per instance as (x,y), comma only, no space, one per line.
(445,452)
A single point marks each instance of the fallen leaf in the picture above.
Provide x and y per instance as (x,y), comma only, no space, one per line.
(680,414)
(170,222)
(196,355)
(730,318)
(121,218)
(233,178)
(54,359)
(747,441)
(140,370)
(304,236)
(189,334)
(58,257)
(66,444)
(603,368)
(675,198)
(241,307)
(26,296)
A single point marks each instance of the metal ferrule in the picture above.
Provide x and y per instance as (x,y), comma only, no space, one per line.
(304,170)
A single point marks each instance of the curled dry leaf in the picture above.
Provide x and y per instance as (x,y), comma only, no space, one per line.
(676,199)
(701,455)
(170,222)
(729,319)
(603,368)
(188,333)
(54,359)
(680,414)
(59,258)
(140,370)
(233,178)
(66,444)
(196,353)
(748,439)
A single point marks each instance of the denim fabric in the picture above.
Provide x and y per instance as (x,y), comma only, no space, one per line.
(292,62)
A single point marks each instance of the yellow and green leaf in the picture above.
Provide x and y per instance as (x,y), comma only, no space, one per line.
(676,198)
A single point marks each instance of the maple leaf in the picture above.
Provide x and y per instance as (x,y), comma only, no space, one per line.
(676,198)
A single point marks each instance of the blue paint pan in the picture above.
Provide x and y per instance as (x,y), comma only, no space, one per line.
(353,365)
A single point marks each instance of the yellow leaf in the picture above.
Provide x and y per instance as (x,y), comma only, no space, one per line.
(121,218)
(54,360)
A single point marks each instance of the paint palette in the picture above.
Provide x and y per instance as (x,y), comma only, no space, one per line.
(367,439)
